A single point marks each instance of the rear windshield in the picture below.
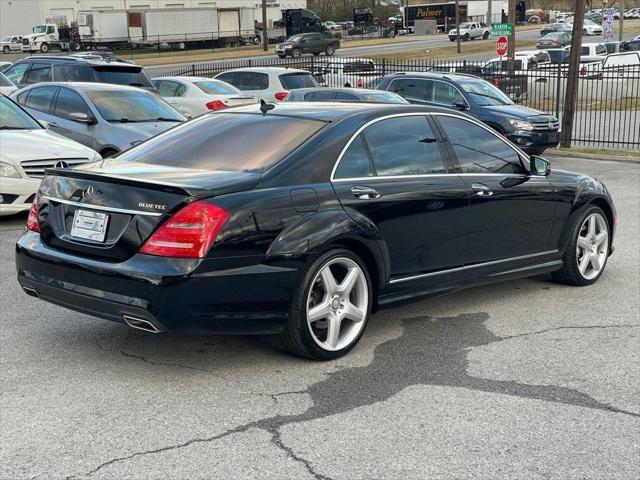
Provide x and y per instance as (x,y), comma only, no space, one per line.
(134,77)
(217,88)
(291,81)
(220,142)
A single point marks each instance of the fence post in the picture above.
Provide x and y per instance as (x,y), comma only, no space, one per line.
(193,70)
(558,79)
(384,67)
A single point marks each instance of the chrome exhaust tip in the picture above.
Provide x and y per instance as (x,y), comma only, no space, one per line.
(31,292)
(140,324)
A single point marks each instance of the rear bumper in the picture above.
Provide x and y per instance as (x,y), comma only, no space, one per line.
(229,296)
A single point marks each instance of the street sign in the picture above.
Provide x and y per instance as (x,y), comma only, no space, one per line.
(502,45)
(502,29)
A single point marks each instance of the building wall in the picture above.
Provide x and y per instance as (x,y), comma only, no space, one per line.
(18,16)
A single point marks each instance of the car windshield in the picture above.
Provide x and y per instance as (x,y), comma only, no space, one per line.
(133,77)
(295,38)
(132,106)
(219,142)
(217,88)
(40,29)
(484,94)
(291,81)
(466,25)
(13,117)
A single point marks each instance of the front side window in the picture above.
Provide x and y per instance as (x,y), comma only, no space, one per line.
(17,72)
(40,98)
(355,161)
(446,94)
(69,102)
(414,90)
(404,146)
(478,150)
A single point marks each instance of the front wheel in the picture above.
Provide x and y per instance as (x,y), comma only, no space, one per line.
(295,53)
(330,308)
(6,49)
(465,37)
(330,50)
(586,255)
(44,48)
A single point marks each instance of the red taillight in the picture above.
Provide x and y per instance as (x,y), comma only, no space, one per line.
(32,219)
(496,81)
(360,83)
(189,233)
(280,96)
(216,105)
(583,71)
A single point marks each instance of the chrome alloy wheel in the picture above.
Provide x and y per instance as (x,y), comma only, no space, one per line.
(592,247)
(337,304)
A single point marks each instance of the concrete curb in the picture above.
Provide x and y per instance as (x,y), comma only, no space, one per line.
(631,158)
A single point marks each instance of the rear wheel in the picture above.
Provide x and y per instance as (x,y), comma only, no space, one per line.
(587,251)
(330,50)
(330,308)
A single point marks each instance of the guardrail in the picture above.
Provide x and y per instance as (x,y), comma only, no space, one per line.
(607,112)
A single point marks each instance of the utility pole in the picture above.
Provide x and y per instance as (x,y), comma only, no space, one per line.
(265,36)
(489,20)
(620,30)
(511,52)
(458,27)
(570,96)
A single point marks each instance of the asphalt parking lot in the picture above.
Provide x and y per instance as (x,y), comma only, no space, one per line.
(526,379)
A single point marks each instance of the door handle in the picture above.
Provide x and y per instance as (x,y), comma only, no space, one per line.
(53,124)
(481,190)
(364,193)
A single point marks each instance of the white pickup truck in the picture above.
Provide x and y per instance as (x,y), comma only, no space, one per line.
(469,31)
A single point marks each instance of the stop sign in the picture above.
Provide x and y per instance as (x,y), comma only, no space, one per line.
(502,45)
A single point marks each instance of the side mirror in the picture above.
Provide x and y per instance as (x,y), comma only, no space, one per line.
(459,105)
(81,118)
(539,166)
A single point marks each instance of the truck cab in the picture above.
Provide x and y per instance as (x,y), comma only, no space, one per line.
(470,31)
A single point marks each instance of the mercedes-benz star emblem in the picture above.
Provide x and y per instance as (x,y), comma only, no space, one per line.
(61,164)
(88,192)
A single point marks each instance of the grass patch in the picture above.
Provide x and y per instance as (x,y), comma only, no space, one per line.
(449,52)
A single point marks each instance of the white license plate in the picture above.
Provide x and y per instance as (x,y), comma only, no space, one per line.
(89,225)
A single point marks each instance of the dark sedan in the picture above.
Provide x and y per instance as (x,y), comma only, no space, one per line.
(325,94)
(554,40)
(303,219)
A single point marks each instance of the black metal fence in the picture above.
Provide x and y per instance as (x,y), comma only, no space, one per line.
(607,112)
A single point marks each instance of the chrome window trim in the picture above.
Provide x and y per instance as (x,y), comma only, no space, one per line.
(519,152)
(104,208)
(470,267)
(361,129)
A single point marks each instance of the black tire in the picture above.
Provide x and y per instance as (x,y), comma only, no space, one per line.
(282,56)
(330,50)
(6,49)
(584,32)
(465,37)
(108,152)
(297,337)
(570,273)
(485,35)
(315,54)
(44,48)
(452,39)
(296,53)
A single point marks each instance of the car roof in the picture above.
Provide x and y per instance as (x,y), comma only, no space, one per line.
(186,78)
(454,76)
(89,86)
(334,111)
(352,91)
(275,70)
(68,58)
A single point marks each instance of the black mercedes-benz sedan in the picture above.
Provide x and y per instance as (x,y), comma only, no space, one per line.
(305,219)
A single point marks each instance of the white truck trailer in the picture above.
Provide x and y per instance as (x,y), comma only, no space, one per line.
(105,27)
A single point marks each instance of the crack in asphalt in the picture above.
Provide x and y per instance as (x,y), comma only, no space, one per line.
(431,351)
(152,362)
(576,327)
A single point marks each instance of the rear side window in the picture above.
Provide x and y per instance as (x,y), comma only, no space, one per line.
(478,150)
(169,88)
(291,81)
(219,142)
(69,102)
(355,161)
(40,98)
(319,96)
(16,73)
(346,97)
(414,90)
(40,72)
(404,146)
